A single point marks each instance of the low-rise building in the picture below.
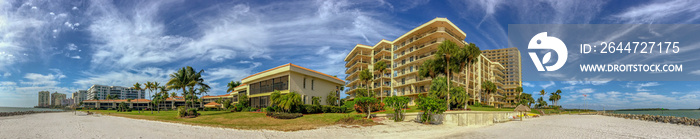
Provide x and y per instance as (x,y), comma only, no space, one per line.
(287,78)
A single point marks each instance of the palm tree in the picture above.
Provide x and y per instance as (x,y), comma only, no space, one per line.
(489,87)
(460,96)
(290,100)
(108,97)
(232,85)
(179,80)
(466,57)
(556,99)
(542,93)
(430,68)
(446,50)
(519,90)
(275,98)
(381,67)
(137,86)
(366,76)
(438,87)
(164,95)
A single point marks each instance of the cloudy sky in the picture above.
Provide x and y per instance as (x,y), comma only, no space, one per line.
(65,46)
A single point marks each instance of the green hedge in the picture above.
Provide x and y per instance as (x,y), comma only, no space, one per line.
(312,109)
(281,115)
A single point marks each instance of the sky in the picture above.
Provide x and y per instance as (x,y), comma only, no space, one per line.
(65,46)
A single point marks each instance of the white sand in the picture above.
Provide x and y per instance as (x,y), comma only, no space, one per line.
(67,125)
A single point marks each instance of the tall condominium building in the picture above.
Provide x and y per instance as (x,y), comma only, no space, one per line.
(79,96)
(510,59)
(101,91)
(404,56)
(44,99)
(57,99)
(287,78)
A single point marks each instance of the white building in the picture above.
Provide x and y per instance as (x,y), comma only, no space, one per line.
(101,91)
(79,96)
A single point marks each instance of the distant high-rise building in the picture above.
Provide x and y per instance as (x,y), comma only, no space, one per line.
(101,91)
(44,98)
(67,102)
(79,96)
(57,99)
(510,59)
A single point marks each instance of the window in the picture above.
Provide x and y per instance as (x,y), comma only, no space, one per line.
(304,82)
(312,84)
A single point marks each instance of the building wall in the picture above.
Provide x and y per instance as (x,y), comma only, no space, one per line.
(321,88)
(44,98)
(101,92)
(57,99)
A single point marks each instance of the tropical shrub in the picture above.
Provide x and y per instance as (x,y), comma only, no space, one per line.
(192,112)
(397,103)
(326,108)
(349,106)
(431,105)
(364,104)
(316,100)
(181,111)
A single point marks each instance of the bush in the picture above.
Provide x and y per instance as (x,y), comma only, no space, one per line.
(181,111)
(240,107)
(281,115)
(374,107)
(192,112)
(326,109)
(311,109)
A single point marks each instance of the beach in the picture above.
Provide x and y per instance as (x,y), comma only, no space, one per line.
(68,125)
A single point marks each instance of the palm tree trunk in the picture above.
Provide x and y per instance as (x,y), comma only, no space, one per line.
(447,70)
(466,87)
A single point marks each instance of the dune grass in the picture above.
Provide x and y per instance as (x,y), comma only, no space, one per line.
(237,120)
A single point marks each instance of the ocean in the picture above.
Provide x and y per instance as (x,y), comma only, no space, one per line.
(695,114)
(15,109)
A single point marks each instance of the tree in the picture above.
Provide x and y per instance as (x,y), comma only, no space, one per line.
(366,102)
(519,89)
(446,50)
(164,91)
(556,99)
(361,92)
(227,103)
(290,100)
(539,101)
(137,86)
(430,104)
(185,78)
(232,85)
(430,68)
(438,87)
(109,97)
(489,87)
(397,103)
(381,67)
(155,101)
(366,76)
(315,100)
(459,96)
(464,58)
(275,98)
(243,100)
(331,98)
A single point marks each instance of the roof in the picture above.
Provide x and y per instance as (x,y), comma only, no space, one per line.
(212,104)
(219,96)
(290,64)
(175,98)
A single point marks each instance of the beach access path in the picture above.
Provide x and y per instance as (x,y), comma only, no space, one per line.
(68,125)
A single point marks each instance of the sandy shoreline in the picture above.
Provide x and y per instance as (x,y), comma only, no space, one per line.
(67,125)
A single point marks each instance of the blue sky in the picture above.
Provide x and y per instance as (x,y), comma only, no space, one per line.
(66,46)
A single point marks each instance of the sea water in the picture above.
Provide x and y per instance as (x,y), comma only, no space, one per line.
(15,109)
(695,114)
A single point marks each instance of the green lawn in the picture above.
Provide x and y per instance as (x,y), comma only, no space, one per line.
(237,120)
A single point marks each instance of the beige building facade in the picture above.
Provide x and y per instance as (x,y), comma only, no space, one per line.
(287,78)
(404,56)
(44,99)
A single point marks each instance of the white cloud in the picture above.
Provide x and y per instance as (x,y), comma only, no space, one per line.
(661,11)
(585,91)
(229,73)
(74,8)
(696,72)
(242,31)
(7,74)
(528,84)
(75,57)
(545,86)
(641,87)
(124,78)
